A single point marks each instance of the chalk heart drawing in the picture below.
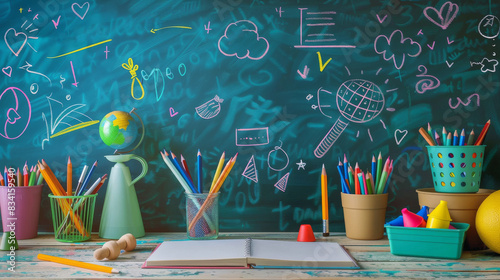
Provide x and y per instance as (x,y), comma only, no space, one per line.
(444,16)
(79,10)
(15,38)
(7,70)
(399,135)
(173,112)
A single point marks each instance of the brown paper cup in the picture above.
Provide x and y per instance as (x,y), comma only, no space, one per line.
(364,215)
(462,207)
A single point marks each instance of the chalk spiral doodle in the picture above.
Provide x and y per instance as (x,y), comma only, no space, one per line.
(276,149)
(428,82)
(16,114)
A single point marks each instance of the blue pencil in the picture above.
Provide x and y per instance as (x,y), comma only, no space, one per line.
(462,138)
(200,173)
(345,189)
(455,138)
(87,179)
(374,166)
(181,171)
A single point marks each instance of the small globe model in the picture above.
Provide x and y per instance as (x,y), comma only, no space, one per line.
(118,130)
(360,100)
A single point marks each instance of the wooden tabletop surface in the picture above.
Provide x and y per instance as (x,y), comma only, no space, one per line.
(374,257)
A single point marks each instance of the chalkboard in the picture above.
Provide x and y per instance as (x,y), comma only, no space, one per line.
(257,78)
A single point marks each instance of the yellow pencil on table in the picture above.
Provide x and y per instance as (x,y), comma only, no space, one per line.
(90,266)
(324,202)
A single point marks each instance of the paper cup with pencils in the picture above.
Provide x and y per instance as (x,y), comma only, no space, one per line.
(457,161)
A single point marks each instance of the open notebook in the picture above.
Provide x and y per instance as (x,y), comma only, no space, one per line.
(256,253)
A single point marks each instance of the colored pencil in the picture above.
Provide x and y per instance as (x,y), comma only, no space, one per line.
(369,182)
(461,139)
(26,176)
(87,179)
(444,135)
(181,171)
(374,165)
(69,177)
(49,172)
(2,180)
(343,182)
(470,139)
(177,174)
(426,136)
(82,178)
(346,167)
(357,186)
(351,180)
(19,178)
(437,138)
(90,266)
(324,201)
(448,139)
(218,170)
(455,138)
(103,179)
(200,172)
(481,136)
(376,179)
(186,168)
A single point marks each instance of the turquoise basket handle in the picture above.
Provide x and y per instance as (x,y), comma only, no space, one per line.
(144,168)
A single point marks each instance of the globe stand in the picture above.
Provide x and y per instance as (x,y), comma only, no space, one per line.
(121,213)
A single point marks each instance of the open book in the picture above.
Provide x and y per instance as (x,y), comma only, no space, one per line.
(250,253)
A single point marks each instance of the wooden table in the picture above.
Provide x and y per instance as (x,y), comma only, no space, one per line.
(374,257)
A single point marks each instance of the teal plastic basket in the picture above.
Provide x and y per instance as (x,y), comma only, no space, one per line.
(456,169)
(427,242)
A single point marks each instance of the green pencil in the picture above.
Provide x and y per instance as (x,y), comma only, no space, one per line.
(379,171)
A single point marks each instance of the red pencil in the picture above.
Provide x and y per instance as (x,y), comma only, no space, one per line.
(103,178)
(480,138)
(357,187)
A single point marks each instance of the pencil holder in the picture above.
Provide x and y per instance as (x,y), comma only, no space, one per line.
(20,207)
(202,215)
(72,217)
(364,215)
(456,169)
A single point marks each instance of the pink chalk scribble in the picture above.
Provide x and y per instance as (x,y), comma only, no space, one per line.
(428,82)
(396,47)
(252,136)
(241,39)
(444,16)
(14,121)
(464,103)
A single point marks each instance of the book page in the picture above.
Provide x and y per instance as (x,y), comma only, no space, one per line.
(227,252)
(299,254)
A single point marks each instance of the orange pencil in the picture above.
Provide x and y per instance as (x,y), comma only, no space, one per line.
(481,136)
(53,178)
(426,136)
(69,180)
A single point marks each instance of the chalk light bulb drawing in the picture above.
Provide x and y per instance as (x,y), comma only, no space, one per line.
(132,69)
(358,101)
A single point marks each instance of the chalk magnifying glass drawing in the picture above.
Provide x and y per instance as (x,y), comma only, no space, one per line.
(358,101)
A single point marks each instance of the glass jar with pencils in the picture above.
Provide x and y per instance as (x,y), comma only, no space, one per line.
(202,215)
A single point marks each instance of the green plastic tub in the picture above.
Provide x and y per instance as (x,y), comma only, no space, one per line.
(427,242)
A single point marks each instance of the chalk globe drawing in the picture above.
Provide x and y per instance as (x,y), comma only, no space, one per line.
(358,101)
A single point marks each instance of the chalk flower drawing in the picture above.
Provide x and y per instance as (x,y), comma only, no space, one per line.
(241,39)
(396,47)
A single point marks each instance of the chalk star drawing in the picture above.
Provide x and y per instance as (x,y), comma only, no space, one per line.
(250,171)
(282,183)
(301,164)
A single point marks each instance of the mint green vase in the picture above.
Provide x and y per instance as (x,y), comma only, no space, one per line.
(121,213)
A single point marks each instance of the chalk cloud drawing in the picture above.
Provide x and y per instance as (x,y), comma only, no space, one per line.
(15,112)
(396,47)
(283,182)
(275,157)
(444,16)
(489,27)
(210,109)
(399,135)
(252,136)
(241,39)
(428,82)
(80,10)
(250,171)
(358,101)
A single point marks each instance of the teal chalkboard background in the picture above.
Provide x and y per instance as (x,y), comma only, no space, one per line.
(216,73)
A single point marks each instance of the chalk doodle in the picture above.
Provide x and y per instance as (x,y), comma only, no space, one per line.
(316,30)
(173,113)
(444,16)
(80,49)
(301,165)
(207,27)
(303,74)
(132,70)
(358,101)
(80,10)
(7,71)
(74,76)
(320,90)
(64,118)
(275,157)
(487,65)
(428,82)
(241,31)
(61,81)
(209,109)
(252,136)
(17,40)
(396,47)
(153,30)
(321,65)
(15,112)
(250,171)
(34,88)
(156,73)
(399,135)
(279,11)
(283,182)
(27,68)
(469,99)
(56,23)
(489,27)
